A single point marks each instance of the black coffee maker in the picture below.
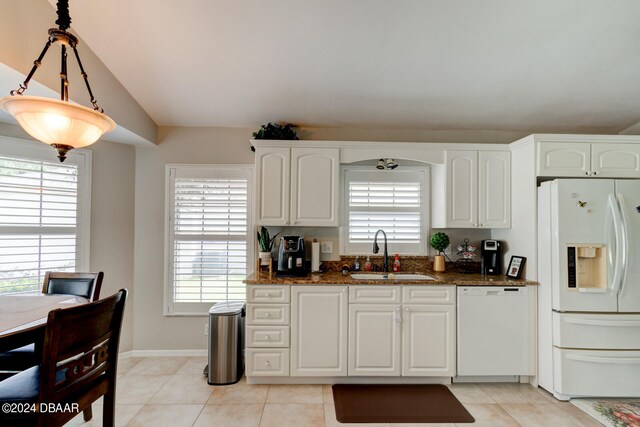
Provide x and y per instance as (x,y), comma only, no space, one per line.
(491,258)
(291,257)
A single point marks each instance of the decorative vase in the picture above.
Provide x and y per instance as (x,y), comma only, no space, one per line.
(265,258)
(438,264)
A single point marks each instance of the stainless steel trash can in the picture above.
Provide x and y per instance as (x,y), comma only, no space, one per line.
(226,343)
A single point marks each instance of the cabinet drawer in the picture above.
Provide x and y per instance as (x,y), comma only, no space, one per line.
(375,294)
(267,314)
(596,331)
(264,362)
(429,294)
(273,294)
(267,336)
(597,372)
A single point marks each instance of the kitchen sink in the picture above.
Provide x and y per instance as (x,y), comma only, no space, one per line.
(391,276)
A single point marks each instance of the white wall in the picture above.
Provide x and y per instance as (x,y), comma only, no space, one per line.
(152,330)
(112,215)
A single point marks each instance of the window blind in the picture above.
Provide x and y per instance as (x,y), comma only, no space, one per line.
(391,201)
(209,224)
(38,221)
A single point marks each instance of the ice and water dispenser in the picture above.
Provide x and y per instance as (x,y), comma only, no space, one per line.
(587,267)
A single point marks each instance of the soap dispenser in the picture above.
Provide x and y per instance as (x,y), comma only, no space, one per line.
(367,265)
(396,264)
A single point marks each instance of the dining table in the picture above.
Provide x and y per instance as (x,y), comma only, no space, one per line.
(23,317)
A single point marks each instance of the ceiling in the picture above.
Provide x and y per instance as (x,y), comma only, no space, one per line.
(539,66)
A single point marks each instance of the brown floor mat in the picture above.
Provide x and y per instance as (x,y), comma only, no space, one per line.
(419,403)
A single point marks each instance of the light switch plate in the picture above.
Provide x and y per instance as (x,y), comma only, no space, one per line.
(326,247)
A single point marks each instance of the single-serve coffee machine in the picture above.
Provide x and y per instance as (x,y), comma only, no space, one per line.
(291,256)
(491,257)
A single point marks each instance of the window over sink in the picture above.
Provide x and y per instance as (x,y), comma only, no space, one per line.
(392,200)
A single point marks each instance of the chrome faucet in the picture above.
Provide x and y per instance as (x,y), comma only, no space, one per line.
(376,249)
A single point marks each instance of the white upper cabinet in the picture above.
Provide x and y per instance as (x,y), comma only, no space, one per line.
(315,175)
(462,195)
(598,159)
(564,159)
(297,186)
(473,190)
(615,160)
(272,172)
(494,189)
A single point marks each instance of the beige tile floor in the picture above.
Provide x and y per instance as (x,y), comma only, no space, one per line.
(172,392)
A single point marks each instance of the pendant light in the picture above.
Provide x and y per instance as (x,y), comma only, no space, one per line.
(59,123)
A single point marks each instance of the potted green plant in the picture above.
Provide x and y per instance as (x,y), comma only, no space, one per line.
(276,131)
(265,244)
(439,241)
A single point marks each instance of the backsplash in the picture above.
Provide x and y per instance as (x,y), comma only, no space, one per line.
(332,235)
(408,264)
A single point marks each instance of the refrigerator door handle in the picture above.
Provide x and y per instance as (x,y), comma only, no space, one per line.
(617,229)
(624,244)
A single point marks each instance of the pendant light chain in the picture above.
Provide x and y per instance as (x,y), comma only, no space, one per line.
(64,19)
(62,36)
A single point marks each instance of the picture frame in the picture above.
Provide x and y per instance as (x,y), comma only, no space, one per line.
(516,265)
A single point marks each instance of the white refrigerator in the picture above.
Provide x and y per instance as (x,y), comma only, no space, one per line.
(589,294)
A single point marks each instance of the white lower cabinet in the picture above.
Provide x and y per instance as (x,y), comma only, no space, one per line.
(366,331)
(428,340)
(267,362)
(374,339)
(416,340)
(319,331)
(267,331)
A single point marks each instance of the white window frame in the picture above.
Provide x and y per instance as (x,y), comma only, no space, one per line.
(195,308)
(425,211)
(23,148)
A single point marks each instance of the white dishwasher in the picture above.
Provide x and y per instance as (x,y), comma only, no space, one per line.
(493,331)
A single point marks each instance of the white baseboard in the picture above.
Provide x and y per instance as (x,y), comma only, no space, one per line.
(487,379)
(348,380)
(125,355)
(167,353)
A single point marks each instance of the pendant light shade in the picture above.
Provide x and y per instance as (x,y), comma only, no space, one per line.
(59,123)
(56,122)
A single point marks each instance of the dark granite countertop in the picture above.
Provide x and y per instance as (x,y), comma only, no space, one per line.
(337,278)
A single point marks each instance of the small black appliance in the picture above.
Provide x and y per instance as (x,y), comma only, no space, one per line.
(291,257)
(491,258)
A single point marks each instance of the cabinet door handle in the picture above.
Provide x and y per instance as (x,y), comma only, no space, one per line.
(267,364)
(267,315)
(406,309)
(266,337)
(267,294)
(396,315)
(595,173)
(587,173)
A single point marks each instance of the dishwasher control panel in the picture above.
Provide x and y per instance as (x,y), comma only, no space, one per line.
(479,291)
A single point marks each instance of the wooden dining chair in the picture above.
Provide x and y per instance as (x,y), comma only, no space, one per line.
(78,366)
(86,285)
